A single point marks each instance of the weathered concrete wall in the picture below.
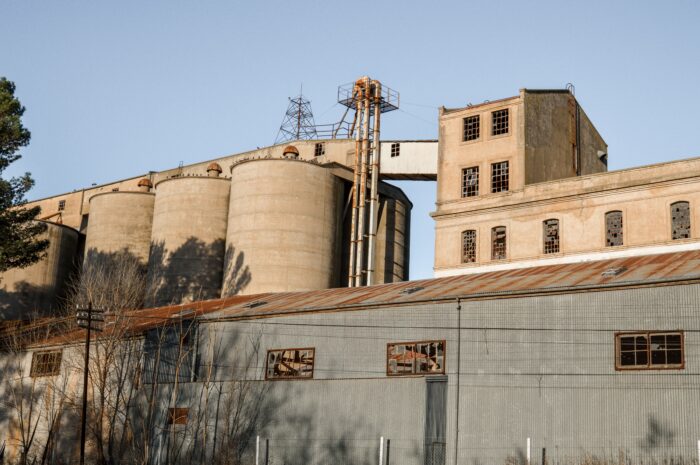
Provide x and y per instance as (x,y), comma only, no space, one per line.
(393,241)
(120,221)
(187,243)
(455,154)
(38,289)
(284,227)
(644,195)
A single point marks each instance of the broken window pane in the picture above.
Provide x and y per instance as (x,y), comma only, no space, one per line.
(290,363)
(498,243)
(470,181)
(551,236)
(410,358)
(649,350)
(469,246)
(45,363)
(471,127)
(499,177)
(613,228)
(395,149)
(499,122)
(680,220)
(319,149)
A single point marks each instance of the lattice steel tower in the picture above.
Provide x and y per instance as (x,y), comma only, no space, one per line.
(298,123)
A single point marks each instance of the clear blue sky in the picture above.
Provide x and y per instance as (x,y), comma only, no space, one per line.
(113,89)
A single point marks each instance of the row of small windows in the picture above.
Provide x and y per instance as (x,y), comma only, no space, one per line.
(680,229)
(500,124)
(500,174)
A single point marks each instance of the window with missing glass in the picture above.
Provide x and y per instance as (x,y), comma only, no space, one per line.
(319,149)
(290,364)
(499,177)
(470,181)
(498,243)
(61,205)
(47,363)
(471,127)
(551,236)
(415,358)
(680,220)
(613,229)
(395,150)
(178,415)
(499,122)
(649,350)
(469,246)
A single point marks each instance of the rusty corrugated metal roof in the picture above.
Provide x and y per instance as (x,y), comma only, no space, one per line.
(572,277)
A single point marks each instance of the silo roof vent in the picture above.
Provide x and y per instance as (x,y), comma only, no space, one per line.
(290,151)
(145,182)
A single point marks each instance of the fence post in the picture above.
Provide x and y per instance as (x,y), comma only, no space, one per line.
(544,456)
(528,451)
(257,450)
(381,450)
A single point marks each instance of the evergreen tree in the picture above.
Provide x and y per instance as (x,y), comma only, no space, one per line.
(19,243)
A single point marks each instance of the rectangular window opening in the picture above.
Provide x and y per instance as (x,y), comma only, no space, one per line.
(415,358)
(649,350)
(498,243)
(499,122)
(46,363)
(469,246)
(551,236)
(290,364)
(613,229)
(471,127)
(395,149)
(470,181)
(61,205)
(499,177)
(680,220)
(319,149)
(178,415)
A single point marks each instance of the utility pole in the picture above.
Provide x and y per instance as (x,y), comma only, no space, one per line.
(85,319)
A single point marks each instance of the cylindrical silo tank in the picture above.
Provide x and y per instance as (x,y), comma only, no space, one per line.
(188,239)
(393,235)
(39,289)
(119,223)
(284,231)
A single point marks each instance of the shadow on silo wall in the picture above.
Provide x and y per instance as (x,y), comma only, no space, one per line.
(194,271)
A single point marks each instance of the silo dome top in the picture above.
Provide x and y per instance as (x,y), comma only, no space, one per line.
(213,166)
(291,150)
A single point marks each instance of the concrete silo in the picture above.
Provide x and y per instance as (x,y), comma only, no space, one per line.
(393,235)
(285,227)
(119,222)
(39,288)
(189,234)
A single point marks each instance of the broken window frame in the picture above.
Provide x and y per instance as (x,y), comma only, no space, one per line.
(395,150)
(612,228)
(61,205)
(471,128)
(551,242)
(436,358)
(680,230)
(46,363)
(647,352)
(470,181)
(500,174)
(500,122)
(469,246)
(298,373)
(319,149)
(178,415)
(499,252)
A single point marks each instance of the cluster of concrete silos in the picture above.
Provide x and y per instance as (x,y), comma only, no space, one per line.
(276,225)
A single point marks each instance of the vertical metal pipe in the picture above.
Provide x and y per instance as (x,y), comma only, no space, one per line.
(83,416)
(374,185)
(381,450)
(459,361)
(362,216)
(355,185)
